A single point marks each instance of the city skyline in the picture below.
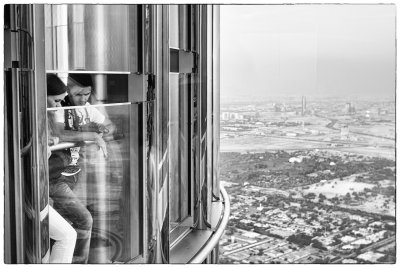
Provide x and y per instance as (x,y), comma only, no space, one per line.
(309,181)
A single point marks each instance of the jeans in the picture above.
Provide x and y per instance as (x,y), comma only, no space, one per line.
(65,237)
(71,208)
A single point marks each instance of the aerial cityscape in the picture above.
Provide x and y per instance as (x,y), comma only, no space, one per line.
(311,180)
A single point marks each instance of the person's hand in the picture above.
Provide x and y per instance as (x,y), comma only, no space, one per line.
(48,152)
(53,140)
(94,127)
(90,127)
(102,129)
(101,143)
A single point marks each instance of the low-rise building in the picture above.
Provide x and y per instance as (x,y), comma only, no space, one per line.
(370,256)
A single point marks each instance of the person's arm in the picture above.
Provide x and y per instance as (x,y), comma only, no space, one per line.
(104,125)
(71,136)
(109,126)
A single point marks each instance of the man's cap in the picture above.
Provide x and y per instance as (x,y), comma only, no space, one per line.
(85,80)
(55,86)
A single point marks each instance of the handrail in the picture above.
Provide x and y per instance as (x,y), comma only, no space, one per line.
(67,145)
(212,242)
(62,146)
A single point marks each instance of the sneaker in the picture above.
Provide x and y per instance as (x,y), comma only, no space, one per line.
(71,170)
(79,259)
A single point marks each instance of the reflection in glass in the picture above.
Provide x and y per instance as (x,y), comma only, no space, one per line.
(100,198)
(174,26)
(28,174)
(180,147)
(25,37)
(91,37)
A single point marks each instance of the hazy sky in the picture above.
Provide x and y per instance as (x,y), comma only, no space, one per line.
(269,50)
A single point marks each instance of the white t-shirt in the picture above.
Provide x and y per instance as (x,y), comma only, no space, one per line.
(85,115)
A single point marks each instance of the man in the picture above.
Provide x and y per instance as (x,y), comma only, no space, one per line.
(83,123)
(80,122)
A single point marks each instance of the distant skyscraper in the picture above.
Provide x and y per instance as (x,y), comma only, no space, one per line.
(353,108)
(350,108)
(344,132)
(303,105)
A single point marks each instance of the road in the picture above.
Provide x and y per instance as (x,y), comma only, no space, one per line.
(334,121)
(371,247)
(250,246)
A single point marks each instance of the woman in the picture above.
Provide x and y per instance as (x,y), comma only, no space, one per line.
(61,187)
(59,229)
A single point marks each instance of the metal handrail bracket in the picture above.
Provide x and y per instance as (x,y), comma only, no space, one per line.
(212,242)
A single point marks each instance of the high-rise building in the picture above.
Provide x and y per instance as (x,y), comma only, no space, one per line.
(344,132)
(350,108)
(152,190)
(303,105)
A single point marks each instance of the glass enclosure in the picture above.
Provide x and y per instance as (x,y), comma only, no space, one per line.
(105,193)
(100,139)
(92,37)
(183,115)
(113,157)
(181,147)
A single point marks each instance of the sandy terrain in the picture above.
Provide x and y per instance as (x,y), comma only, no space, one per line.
(260,144)
(337,187)
(348,185)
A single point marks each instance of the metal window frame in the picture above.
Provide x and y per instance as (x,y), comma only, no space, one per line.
(30,22)
(185,62)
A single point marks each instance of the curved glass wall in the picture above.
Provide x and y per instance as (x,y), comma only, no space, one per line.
(102,138)
(94,178)
(92,37)
(120,161)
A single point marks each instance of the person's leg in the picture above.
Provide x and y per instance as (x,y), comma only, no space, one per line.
(65,237)
(71,208)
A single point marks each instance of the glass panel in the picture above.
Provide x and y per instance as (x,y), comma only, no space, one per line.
(25,36)
(26,99)
(24,17)
(26,50)
(184,27)
(203,108)
(164,138)
(105,88)
(48,37)
(94,178)
(194,24)
(92,37)
(195,159)
(148,39)
(174,150)
(27,162)
(173,26)
(180,17)
(179,147)
(184,144)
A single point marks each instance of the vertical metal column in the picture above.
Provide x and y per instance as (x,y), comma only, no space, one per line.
(39,137)
(162,93)
(14,180)
(216,99)
(209,132)
(26,126)
(202,108)
(17,178)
